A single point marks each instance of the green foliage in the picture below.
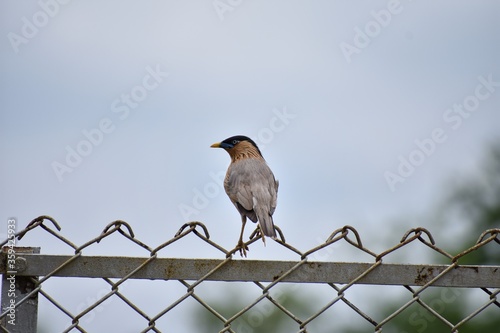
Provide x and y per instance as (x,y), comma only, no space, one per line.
(263,317)
(477,201)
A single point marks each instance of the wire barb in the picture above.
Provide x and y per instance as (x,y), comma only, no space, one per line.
(192,226)
(492,232)
(418,232)
(118,224)
(37,222)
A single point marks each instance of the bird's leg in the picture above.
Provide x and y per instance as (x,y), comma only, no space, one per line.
(257,233)
(241,245)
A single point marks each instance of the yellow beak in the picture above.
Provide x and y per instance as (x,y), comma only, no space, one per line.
(215,145)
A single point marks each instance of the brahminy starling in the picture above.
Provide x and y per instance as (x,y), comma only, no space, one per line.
(250,185)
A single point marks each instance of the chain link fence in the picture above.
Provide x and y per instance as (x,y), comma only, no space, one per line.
(26,271)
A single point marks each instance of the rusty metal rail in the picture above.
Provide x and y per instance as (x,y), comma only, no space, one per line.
(255,270)
(25,271)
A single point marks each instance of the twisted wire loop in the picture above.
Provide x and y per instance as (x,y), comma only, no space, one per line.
(297,271)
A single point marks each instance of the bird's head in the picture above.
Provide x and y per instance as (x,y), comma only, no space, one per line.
(239,145)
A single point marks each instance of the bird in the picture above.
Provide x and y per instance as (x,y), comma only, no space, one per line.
(250,185)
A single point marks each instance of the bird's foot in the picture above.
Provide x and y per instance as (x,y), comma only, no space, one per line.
(257,233)
(243,248)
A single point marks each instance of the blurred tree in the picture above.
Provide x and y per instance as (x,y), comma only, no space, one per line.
(478,201)
(475,201)
(263,317)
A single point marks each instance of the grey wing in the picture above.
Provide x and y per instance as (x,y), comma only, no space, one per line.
(237,186)
(251,183)
(274,193)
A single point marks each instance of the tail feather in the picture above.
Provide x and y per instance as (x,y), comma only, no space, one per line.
(264,215)
(267,226)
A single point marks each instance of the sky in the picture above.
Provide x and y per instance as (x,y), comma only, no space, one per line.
(366,111)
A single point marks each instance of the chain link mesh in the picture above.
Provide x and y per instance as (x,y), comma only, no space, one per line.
(346,233)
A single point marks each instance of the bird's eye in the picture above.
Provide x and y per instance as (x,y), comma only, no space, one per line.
(235,142)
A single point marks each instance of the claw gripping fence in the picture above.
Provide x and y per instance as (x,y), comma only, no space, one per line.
(25,271)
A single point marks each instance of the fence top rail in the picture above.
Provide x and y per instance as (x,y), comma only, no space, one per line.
(252,270)
(304,269)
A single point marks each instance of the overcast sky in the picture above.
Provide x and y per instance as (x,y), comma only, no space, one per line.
(364,110)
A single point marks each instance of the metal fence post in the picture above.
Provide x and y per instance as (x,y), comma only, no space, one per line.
(20,318)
